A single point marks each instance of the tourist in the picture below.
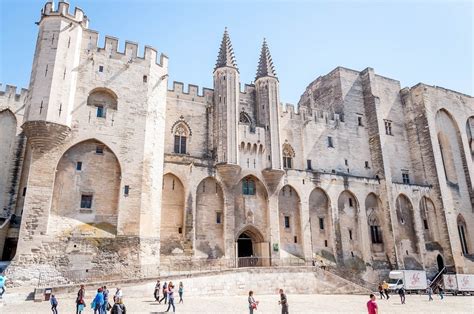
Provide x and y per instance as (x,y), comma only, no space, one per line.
(80,303)
(283,302)
(165,293)
(106,306)
(401,293)
(382,296)
(119,307)
(54,304)
(372,307)
(98,302)
(180,292)
(170,297)
(385,289)
(441,292)
(156,293)
(429,290)
(118,295)
(2,284)
(252,303)
(322,264)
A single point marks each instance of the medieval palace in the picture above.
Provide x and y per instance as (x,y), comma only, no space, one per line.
(102,163)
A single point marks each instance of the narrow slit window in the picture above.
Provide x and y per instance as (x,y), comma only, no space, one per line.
(321,223)
(79,166)
(287,221)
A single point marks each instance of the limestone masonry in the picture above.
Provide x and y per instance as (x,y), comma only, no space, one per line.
(103,169)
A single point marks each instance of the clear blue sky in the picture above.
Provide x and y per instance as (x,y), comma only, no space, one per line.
(411,41)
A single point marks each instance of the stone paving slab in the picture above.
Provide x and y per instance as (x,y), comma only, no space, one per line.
(268,304)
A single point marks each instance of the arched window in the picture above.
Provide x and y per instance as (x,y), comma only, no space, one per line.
(463,235)
(248,186)
(180,136)
(288,154)
(375,232)
(245,118)
(102,99)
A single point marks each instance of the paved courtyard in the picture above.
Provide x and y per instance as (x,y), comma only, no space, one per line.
(268,304)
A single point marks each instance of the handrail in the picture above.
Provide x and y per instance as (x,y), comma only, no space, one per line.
(437,277)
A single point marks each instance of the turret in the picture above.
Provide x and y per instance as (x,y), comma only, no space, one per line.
(54,73)
(268,99)
(226,101)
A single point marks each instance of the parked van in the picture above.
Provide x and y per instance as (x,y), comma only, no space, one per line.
(414,280)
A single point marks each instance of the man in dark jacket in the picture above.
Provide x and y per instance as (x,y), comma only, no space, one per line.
(283,302)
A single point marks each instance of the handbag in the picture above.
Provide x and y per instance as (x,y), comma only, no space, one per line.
(81,307)
(254,305)
(108,306)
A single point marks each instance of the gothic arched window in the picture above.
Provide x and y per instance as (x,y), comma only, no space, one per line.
(245,118)
(375,232)
(248,186)
(462,230)
(288,154)
(181,134)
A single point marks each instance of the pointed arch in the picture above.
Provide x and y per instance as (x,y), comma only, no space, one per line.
(348,207)
(289,210)
(375,221)
(321,225)
(244,118)
(86,189)
(210,218)
(470,135)
(181,132)
(406,237)
(104,98)
(8,129)
(172,214)
(463,235)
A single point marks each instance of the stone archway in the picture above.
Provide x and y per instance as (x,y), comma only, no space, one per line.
(172,215)
(251,249)
(86,192)
(289,217)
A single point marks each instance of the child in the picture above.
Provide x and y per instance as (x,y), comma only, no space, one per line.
(180,292)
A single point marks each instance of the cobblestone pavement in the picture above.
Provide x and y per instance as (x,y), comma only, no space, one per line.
(268,304)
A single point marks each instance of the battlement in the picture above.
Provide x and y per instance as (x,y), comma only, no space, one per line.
(191,92)
(10,93)
(63,10)
(248,88)
(131,51)
(291,112)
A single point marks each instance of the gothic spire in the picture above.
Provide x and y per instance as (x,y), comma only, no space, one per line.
(226,56)
(265,64)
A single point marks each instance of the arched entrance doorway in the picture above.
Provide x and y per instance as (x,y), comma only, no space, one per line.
(251,250)
(440,261)
(244,246)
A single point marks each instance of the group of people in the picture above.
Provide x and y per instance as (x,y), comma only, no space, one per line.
(283,302)
(383,291)
(168,293)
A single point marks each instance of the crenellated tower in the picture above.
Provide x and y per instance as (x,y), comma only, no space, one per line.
(268,100)
(53,76)
(225,111)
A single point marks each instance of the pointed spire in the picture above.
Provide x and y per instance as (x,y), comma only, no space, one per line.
(265,64)
(226,56)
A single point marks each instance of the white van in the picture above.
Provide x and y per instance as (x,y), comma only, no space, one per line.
(410,279)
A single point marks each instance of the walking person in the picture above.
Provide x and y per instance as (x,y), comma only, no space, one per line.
(170,297)
(401,293)
(118,295)
(2,284)
(106,306)
(156,293)
(54,304)
(441,292)
(252,303)
(180,292)
(119,307)
(283,302)
(98,302)
(385,289)
(372,307)
(165,293)
(429,290)
(80,303)
(382,296)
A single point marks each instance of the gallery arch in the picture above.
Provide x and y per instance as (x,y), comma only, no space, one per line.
(210,219)
(251,214)
(86,190)
(470,135)
(348,207)
(375,219)
(463,235)
(407,240)
(7,140)
(429,219)
(289,217)
(172,214)
(321,224)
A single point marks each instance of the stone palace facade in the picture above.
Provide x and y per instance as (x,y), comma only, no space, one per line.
(103,167)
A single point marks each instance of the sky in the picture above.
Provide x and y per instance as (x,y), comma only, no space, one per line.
(410,41)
